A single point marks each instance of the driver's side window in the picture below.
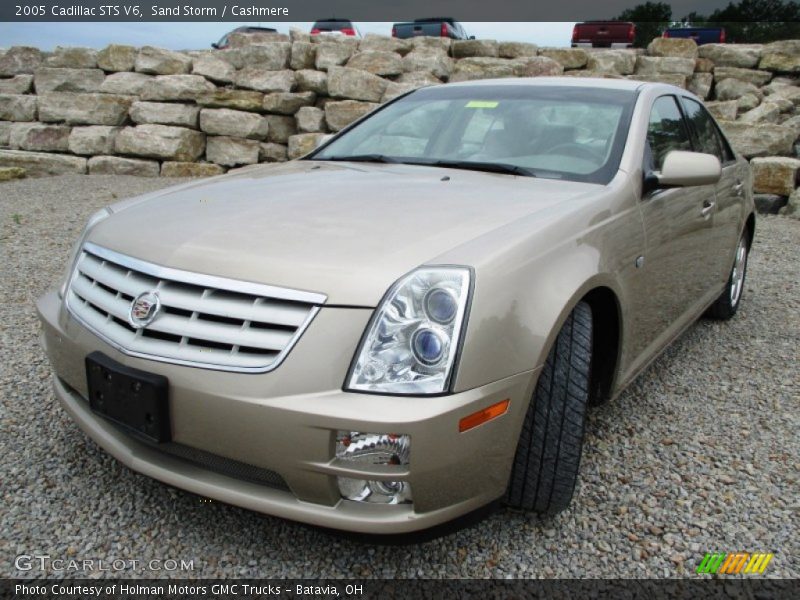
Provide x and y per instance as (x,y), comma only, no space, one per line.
(665,132)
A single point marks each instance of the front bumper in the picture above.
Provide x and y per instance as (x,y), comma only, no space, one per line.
(286,422)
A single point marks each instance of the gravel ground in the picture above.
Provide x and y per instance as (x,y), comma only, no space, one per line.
(701,454)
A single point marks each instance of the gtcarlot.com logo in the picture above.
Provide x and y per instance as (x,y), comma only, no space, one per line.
(734,563)
(45,562)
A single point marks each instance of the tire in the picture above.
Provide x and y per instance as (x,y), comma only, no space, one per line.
(727,304)
(548,454)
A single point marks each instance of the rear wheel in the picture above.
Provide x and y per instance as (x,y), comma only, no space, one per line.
(548,454)
(728,302)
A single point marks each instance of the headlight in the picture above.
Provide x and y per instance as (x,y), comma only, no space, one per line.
(412,341)
(93,220)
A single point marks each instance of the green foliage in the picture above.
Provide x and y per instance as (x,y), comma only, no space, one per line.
(650,18)
(758,21)
(746,22)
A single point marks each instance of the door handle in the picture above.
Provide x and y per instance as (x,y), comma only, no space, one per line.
(738,188)
(708,206)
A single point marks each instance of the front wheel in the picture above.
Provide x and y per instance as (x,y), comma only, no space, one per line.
(728,302)
(549,450)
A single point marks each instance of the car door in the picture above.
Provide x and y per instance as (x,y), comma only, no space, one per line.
(726,216)
(674,272)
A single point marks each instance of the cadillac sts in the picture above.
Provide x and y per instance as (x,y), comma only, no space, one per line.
(411,321)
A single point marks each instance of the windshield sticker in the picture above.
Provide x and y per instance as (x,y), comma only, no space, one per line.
(481,104)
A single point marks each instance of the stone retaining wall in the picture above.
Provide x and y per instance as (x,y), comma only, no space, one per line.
(149,111)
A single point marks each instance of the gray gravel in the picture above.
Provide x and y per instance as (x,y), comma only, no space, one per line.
(701,454)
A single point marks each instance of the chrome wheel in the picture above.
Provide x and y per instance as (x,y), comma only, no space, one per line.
(737,275)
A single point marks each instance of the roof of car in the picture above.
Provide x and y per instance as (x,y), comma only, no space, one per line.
(253,29)
(588,82)
(435,20)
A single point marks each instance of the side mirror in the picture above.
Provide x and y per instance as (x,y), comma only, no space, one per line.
(683,169)
(472,37)
(215,45)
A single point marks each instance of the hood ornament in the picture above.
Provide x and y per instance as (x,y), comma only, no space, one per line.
(144,308)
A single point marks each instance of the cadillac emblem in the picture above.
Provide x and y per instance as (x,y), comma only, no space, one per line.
(144,309)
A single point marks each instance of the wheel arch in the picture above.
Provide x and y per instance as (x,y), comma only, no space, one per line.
(602,295)
(606,342)
(750,228)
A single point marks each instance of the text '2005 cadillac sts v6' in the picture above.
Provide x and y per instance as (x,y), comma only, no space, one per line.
(411,321)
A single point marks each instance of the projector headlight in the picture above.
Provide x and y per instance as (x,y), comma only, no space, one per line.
(93,220)
(411,344)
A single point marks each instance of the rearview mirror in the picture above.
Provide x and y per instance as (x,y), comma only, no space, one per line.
(683,168)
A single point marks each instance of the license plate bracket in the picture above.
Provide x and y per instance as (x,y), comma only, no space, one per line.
(133,399)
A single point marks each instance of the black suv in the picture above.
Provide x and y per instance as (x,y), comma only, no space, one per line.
(436,27)
(224,43)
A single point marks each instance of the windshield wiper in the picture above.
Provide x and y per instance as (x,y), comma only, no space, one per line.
(491,167)
(375,158)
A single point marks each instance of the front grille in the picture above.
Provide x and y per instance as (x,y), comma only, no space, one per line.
(204,320)
(224,466)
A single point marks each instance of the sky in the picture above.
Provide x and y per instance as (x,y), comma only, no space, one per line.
(196,36)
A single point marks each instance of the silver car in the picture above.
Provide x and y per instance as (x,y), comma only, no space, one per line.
(410,322)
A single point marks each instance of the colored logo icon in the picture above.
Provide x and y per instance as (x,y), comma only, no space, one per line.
(721,563)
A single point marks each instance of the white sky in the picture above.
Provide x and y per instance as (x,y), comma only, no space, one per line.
(194,36)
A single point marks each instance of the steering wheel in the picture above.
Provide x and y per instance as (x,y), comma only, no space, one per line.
(577,150)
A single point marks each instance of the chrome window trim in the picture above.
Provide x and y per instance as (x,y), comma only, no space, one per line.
(191,278)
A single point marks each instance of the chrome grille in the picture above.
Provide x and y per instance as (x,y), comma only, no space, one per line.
(204,320)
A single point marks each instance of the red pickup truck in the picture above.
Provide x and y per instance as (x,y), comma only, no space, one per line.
(604,34)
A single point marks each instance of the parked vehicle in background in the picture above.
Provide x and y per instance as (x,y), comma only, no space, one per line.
(436,27)
(604,34)
(335,27)
(225,41)
(701,35)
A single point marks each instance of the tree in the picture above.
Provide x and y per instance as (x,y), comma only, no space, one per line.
(691,20)
(758,21)
(650,18)
(746,22)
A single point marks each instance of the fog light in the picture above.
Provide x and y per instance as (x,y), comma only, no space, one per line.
(374,449)
(375,492)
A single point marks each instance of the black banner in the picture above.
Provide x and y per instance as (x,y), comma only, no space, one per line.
(176,589)
(311,10)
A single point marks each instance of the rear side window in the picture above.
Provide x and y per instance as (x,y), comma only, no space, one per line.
(666,131)
(704,131)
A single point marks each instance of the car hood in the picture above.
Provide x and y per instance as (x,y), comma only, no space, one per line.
(347,230)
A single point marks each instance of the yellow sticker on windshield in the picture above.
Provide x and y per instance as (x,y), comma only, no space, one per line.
(482,104)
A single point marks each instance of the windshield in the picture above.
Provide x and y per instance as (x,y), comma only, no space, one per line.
(575,134)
